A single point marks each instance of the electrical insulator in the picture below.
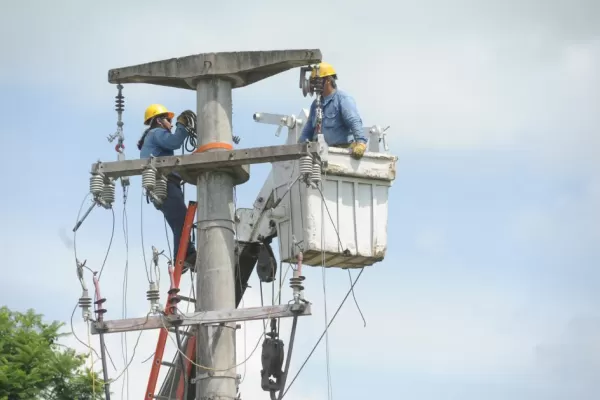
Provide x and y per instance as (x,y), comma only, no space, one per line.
(108,192)
(153,295)
(96,183)
(85,303)
(149,178)
(315,174)
(306,164)
(120,100)
(160,188)
(296,285)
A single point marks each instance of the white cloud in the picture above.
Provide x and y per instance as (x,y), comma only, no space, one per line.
(461,75)
(453,76)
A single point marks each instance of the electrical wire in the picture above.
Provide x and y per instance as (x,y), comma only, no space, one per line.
(112,235)
(324,332)
(341,248)
(148,275)
(214,369)
(85,344)
(239,274)
(190,142)
(171,255)
(137,342)
(324,273)
(124,344)
(76,259)
(77,220)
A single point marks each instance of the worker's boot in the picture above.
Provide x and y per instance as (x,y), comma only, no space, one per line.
(190,262)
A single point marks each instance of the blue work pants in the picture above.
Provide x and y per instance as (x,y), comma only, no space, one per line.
(174,210)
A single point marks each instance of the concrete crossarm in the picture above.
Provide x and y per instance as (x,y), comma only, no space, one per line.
(241,68)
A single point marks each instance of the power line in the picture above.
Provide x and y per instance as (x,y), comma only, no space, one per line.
(341,249)
(324,332)
(124,344)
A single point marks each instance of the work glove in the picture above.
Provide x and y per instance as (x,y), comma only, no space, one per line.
(187,119)
(358,149)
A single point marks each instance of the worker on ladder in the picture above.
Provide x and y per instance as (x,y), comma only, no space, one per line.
(158,141)
(340,114)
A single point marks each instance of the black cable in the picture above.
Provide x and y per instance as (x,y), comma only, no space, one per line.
(76,304)
(324,332)
(342,248)
(112,235)
(124,344)
(142,237)
(85,344)
(171,255)
(191,141)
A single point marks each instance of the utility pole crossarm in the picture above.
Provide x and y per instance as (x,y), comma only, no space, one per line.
(209,160)
(202,318)
(241,68)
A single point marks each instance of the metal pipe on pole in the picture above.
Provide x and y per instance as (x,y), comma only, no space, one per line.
(215,265)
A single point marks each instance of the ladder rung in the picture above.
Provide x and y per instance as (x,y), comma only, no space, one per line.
(168,364)
(182,332)
(185,298)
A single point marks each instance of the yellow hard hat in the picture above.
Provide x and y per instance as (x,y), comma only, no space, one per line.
(324,70)
(156,109)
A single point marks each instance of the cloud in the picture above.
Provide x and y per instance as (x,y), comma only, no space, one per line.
(473,91)
(462,75)
(572,355)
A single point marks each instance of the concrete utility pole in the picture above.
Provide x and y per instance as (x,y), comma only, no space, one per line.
(213,76)
(216,244)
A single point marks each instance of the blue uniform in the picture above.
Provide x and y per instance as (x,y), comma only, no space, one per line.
(341,122)
(160,142)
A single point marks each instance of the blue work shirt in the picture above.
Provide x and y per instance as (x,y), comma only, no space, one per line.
(341,122)
(160,142)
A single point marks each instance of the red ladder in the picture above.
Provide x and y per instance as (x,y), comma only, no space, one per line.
(162,337)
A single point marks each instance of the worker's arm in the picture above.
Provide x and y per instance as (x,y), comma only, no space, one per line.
(352,119)
(165,139)
(309,128)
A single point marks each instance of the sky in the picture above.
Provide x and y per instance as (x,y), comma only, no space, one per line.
(489,287)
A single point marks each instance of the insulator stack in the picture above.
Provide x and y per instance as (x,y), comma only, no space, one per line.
(153,295)
(108,192)
(160,188)
(306,164)
(296,285)
(315,174)
(85,303)
(149,178)
(100,311)
(120,100)
(96,183)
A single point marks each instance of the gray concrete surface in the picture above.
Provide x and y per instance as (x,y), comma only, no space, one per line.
(240,68)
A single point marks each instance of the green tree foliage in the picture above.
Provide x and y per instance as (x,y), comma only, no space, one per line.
(34,366)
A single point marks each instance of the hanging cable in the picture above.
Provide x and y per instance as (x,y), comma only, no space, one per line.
(112,235)
(76,262)
(148,275)
(124,344)
(323,334)
(341,248)
(324,273)
(171,255)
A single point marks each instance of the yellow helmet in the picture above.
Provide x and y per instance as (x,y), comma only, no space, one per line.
(324,70)
(156,109)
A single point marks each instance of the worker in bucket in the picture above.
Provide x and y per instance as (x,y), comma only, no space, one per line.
(158,141)
(340,115)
